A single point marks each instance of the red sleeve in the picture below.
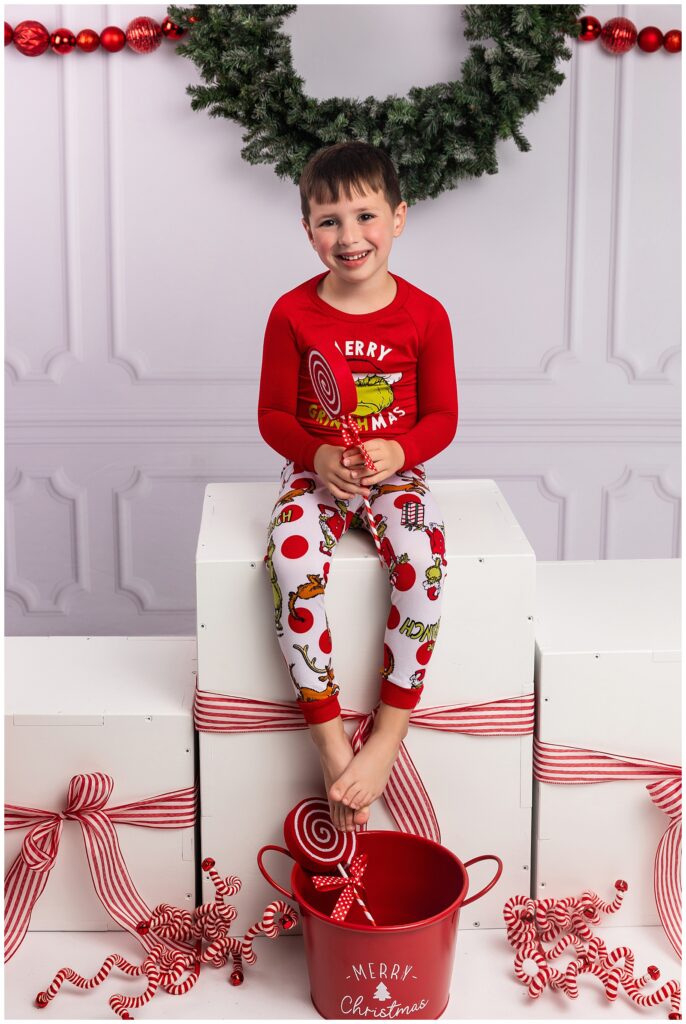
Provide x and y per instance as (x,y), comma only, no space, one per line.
(278,399)
(436,393)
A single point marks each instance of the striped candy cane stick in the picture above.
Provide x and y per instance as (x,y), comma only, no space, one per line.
(351,438)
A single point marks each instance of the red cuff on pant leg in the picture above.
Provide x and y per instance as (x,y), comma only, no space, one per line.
(400,696)
(317,711)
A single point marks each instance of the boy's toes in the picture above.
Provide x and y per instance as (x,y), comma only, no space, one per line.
(336,792)
(361,817)
(348,819)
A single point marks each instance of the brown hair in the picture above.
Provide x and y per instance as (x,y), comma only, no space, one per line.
(347,166)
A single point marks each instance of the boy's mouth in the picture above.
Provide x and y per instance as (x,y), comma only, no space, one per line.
(354,257)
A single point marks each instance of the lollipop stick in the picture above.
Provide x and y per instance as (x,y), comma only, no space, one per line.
(357,896)
(351,438)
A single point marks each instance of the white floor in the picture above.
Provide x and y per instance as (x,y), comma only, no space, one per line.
(276,987)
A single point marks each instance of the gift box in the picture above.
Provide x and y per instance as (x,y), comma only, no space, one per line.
(608,697)
(81,711)
(479,785)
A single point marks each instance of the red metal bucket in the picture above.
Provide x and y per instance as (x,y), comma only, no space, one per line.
(414,888)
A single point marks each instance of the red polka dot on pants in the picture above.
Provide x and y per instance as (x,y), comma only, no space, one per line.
(294,547)
(393,618)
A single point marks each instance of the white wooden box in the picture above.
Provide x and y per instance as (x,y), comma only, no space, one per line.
(608,679)
(118,705)
(480,786)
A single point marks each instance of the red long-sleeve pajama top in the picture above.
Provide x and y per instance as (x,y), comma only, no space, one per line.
(402,360)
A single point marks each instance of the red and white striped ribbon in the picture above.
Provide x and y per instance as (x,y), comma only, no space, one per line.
(87,797)
(570,765)
(405,795)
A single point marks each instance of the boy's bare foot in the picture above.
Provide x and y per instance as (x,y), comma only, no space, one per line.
(335,754)
(365,778)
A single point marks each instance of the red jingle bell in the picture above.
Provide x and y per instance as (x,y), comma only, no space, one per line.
(236,978)
(588,912)
(590,29)
(287,923)
(621,885)
(526,916)
(143,927)
(654,972)
(672,43)
(112,39)
(673,1016)
(8,34)
(208,863)
(41,1000)
(649,39)
(62,40)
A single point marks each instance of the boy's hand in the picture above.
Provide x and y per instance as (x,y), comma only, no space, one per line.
(341,481)
(387,456)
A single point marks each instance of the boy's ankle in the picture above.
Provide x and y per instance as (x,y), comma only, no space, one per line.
(326,734)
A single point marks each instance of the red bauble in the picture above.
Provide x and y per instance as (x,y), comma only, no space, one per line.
(62,40)
(672,40)
(621,885)
(112,39)
(31,38)
(171,30)
(649,39)
(143,927)
(618,35)
(590,29)
(236,978)
(208,863)
(654,972)
(287,923)
(8,34)
(87,40)
(143,35)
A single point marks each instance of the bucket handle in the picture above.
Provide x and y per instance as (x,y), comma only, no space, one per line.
(275,885)
(486,888)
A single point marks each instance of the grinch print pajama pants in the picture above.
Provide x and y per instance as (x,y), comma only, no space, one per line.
(306,524)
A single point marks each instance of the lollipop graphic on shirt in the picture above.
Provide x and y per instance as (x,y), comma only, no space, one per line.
(334,386)
(316,844)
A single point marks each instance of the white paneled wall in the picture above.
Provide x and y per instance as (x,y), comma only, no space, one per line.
(143,256)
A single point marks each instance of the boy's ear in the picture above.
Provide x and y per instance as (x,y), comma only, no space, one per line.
(399,217)
(306,225)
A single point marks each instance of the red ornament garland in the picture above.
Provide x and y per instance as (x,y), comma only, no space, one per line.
(619,35)
(142,35)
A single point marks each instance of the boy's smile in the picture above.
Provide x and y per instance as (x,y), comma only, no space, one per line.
(353,237)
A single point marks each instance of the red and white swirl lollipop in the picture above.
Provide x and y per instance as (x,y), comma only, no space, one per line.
(334,387)
(316,844)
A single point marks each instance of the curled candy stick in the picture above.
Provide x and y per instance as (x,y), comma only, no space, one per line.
(121,1004)
(267,927)
(535,982)
(79,981)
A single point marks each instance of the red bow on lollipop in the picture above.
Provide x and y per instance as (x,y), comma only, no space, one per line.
(349,886)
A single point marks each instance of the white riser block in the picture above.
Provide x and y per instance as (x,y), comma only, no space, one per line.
(608,678)
(480,786)
(117,705)
(480,789)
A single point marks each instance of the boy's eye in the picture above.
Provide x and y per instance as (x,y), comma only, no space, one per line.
(329,220)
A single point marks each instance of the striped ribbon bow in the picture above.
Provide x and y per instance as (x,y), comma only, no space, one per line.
(405,794)
(569,765)
(349,885)
(86,800)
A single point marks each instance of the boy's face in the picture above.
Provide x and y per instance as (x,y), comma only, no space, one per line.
(365,224)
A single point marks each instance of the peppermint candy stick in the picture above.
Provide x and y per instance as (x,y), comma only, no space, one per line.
(334,387)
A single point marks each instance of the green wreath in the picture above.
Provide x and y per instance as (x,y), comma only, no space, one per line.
(435,135)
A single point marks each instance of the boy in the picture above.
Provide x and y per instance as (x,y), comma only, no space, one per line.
(398,343)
